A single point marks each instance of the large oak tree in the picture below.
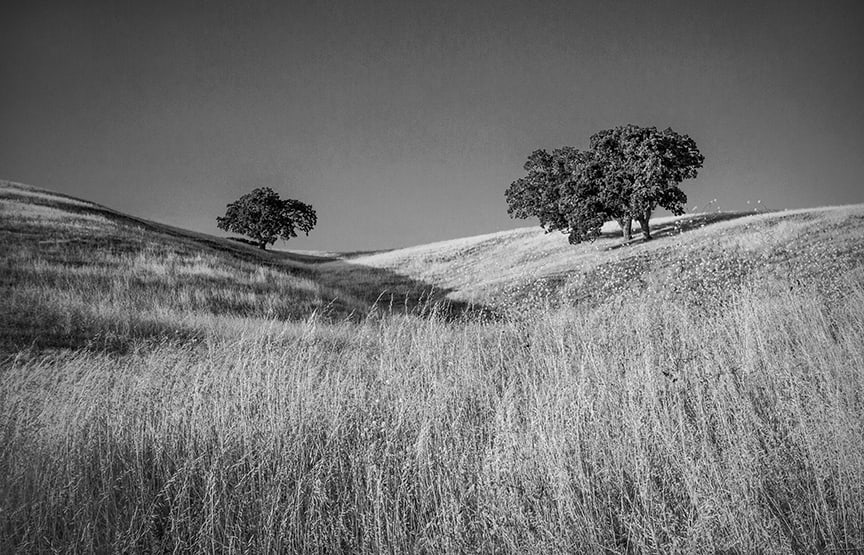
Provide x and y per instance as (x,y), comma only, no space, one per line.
(627,173)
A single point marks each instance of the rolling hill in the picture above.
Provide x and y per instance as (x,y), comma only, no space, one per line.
(74,270)
(692,256)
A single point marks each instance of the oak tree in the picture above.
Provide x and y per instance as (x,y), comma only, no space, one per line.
(264,217)
(625,175)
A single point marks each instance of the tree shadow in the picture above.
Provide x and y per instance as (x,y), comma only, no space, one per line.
(674,227)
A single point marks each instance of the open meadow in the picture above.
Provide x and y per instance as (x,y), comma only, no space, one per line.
(167,391)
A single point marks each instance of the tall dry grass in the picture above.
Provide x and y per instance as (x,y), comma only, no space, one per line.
(641,426)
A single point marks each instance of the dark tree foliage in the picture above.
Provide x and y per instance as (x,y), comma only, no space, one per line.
(625,175)
(539,192)
(587,200)
(262,216)
(646,166)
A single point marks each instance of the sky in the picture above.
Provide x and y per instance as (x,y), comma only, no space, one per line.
(404,122)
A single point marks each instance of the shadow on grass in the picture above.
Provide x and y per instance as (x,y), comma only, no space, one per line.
(46,328)
(381,290)
(675,227)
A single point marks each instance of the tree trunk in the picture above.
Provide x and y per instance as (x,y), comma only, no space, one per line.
(626,227)
(644,223)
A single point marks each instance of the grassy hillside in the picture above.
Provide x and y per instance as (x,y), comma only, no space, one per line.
(93,274)
(78,274)
(692,256)
(169,391)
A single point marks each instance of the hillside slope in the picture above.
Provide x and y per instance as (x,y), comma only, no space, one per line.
(74,272)
(691,256)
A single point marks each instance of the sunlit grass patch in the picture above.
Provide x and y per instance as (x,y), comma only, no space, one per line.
(661,431)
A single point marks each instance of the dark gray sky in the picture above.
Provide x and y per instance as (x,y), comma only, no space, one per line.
(404,122)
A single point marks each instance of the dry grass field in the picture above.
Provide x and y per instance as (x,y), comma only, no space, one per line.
(165,391)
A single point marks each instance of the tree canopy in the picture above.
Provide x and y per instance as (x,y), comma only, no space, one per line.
(264,217)
(626,173)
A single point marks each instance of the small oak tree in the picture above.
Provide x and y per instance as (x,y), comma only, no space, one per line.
(626,174)
(262,216)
